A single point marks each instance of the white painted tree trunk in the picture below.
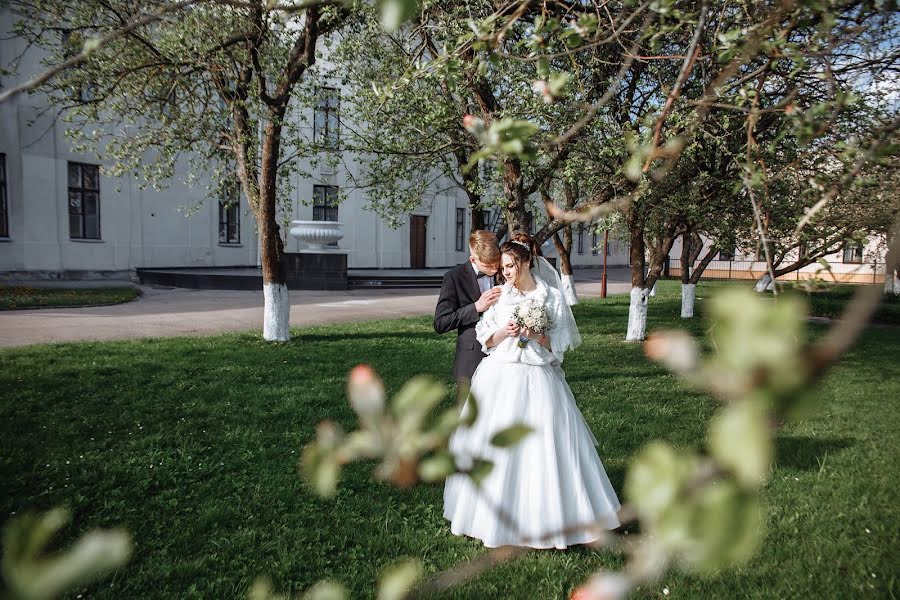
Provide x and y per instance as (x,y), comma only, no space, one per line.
(276,319)
(568,285)
(764,283)
(892,283)
(688,295)
(653,289)
(637,315)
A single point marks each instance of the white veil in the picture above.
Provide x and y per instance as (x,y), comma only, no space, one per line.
(571,339)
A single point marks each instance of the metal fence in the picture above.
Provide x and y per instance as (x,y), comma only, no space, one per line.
(870,272)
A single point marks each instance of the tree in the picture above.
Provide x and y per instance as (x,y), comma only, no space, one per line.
(214,82)
(769,72)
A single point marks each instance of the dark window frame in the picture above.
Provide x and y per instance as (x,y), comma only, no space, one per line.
(594,242)
(81,191)
(325,205)
(460,229)
(230,216)
(486,218)
(4,205)
(328,106)
(580,240)
(78,93)
(725,255)
(853,248)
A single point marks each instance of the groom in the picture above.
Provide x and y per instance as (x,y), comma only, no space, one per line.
(467,291)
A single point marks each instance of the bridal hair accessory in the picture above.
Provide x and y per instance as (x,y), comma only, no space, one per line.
(523,244)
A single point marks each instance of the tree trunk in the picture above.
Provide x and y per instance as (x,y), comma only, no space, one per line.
(764,283)
(688,295)
(686,262)
(637,309)
(892,282)
(637,316)
(564,250)
(688,290)
(276,315)
(516,211)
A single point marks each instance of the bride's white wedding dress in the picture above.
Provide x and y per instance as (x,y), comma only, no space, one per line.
(550,482)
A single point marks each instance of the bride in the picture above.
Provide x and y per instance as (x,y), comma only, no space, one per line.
(550,490)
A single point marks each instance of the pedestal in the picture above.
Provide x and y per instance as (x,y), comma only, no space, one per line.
(316,270)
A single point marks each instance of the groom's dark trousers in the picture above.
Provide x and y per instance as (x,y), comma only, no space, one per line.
(456,310)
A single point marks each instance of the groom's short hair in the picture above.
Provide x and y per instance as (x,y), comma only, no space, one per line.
(483,245)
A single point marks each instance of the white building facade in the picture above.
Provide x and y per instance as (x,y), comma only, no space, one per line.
(62,217)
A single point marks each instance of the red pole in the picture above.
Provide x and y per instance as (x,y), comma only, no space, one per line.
(603,276)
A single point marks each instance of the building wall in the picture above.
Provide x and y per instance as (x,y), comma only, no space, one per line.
(150,228)
(177,226)
(870,270)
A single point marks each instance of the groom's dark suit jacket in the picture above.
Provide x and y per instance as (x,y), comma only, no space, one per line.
(456,310)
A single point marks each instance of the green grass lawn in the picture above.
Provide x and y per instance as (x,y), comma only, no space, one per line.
(18,297)
(192,445)
(831,303)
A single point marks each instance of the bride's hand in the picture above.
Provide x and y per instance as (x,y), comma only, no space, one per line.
(512,330)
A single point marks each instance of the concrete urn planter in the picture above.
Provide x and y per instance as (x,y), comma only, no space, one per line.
(318,234)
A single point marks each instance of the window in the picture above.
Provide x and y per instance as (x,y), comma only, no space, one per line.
(84,201)
(726,255)
(230,216)
(4,210)
(460,229)
(77,89)
(853,253)
(581,238)
(326,125)
(486,220)
(325,207)
(594,243)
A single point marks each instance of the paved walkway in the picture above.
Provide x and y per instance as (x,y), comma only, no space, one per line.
(165,312)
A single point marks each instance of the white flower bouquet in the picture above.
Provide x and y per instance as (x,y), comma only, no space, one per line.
(531,315)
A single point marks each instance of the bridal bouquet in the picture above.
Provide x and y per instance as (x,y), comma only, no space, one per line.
(532,315)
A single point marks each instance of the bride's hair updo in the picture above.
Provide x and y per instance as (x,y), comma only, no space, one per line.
(522,249)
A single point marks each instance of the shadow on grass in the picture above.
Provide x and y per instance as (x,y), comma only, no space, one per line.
(369,335)
(807,453)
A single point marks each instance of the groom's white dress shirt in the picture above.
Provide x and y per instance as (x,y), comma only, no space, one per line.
(484,283)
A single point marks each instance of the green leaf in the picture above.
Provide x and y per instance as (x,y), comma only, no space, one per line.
(655,478)
(739,440)
(320,468)
(437,467)
(29,573)
(558,83)
(511,435)
(325,478)
(470,411)
(395,12)
(447,423)
(91,45)
(415,400)
(726,526)
(398,579)
(480,469)
(543,68)
(327,590)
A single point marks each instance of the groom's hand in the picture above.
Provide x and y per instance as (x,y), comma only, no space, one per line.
(487,299)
